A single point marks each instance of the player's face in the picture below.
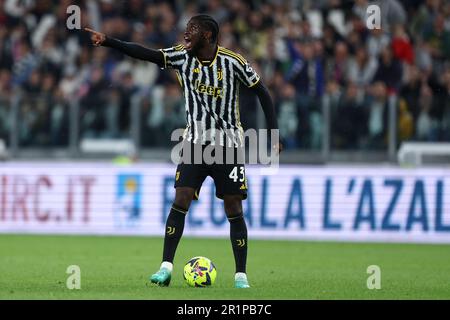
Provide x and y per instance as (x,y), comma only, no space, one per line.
(193,36)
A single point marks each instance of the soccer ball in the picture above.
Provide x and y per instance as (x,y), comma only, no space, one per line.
(200,272)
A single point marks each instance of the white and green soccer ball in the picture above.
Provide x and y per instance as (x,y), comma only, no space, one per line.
(200,272)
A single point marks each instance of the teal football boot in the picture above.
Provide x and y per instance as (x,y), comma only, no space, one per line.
(162,277)
(241,282)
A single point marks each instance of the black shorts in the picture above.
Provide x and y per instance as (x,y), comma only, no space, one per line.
(229,176)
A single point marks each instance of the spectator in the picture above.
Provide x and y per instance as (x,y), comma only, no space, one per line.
(424,122)
(338,67)
(307,76)
(94,103)
(320,52)
(405,122)
(362,68)
(401,45)
(392,12)
(446,107)
(389,71)
(422,21)
(438,39)
(59,124)
(377,104)
(410,91)
(307,72)
(349,119)
(287,117)
(126,90)
(377,41)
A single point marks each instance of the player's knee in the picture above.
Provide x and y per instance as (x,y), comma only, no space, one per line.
(233,206)
(183,199)
(182,203)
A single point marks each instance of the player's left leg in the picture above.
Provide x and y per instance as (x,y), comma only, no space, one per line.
(231,186)
(238,237)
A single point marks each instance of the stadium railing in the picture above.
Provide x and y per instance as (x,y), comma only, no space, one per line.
(71,128)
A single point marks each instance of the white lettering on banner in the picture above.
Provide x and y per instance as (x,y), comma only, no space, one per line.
(315,203)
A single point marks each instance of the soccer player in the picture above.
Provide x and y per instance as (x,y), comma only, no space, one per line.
(210,76)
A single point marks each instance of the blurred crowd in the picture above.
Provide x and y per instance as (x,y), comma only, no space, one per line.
(314,55)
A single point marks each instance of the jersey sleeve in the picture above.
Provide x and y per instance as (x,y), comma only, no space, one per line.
(246,74)
(174,57)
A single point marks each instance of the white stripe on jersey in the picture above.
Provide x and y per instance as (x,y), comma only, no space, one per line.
(184,74)
(238,121)
(204,104)
(201,96)
(230,109)
(213,107)
(194,103)
(223,102)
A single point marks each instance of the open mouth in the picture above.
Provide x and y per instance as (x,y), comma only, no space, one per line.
(187,42)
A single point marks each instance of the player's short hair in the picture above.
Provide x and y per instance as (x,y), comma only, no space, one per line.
(208,23)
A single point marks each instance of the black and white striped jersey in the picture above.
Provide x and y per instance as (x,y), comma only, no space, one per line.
(211,93)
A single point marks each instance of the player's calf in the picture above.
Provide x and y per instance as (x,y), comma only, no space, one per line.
(239,241)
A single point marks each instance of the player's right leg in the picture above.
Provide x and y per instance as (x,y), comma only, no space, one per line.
(188,181)
(231,186)
(174,231)
(238,237)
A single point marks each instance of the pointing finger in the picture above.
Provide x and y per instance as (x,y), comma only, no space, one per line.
(90,30)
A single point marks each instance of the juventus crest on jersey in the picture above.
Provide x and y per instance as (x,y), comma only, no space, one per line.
(211,93)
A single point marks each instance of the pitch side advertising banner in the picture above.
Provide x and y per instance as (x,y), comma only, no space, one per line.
(385,204)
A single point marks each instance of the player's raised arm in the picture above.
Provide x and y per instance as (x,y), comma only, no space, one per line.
(269,110)
(131,49)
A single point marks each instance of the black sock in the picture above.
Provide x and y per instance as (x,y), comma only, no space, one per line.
(174,231)
(238,237)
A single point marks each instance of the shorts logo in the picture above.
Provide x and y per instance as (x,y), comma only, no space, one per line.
(241,242)
(177,176)
(170,230)
(244,185)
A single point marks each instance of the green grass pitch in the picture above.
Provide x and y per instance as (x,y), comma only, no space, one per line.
(34,267)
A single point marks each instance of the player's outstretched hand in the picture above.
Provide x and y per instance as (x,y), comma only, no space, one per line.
(97,37)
